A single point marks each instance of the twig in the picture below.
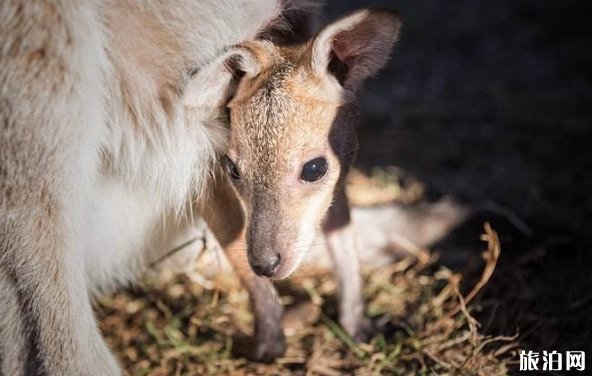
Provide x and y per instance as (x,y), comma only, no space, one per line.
(492,255)
(173,251)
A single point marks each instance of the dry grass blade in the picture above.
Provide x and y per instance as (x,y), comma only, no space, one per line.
(491,256)
(453,341)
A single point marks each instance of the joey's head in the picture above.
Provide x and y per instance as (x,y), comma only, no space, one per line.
(292,112)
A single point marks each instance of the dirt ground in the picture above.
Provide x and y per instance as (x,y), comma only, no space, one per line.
(487,103)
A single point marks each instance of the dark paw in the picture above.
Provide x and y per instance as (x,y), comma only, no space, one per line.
(362,331)
(265,349)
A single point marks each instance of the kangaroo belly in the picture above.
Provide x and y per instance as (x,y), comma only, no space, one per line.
(119,223)
(125,231)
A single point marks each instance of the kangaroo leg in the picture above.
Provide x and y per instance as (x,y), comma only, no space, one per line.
(225,218)
(341,240)
(50,130)
(51,328)
(13,349)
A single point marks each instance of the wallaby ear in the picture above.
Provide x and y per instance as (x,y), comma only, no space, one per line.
(356,46)
(213,85)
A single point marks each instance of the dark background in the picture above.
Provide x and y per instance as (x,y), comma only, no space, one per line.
(490,102)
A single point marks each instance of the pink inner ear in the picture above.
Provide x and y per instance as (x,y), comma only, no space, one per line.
(356,46)
(340,50)
(348,46)
(359,49)
(362,40)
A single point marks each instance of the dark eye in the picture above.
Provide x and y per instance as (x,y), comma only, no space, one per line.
(230,168)
(314,170)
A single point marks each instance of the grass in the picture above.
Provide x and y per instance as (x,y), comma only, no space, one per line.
(425,326)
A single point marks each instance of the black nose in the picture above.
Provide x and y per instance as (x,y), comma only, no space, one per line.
(266,266)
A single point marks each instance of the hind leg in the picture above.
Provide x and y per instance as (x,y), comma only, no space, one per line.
(341,241)
(50,129)
(13,348)
(49,328)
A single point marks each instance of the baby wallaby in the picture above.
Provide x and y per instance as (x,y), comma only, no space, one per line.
(293,113)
